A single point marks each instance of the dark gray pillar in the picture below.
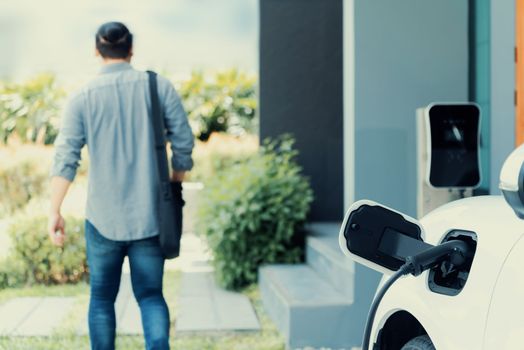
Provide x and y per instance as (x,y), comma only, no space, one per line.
(301,91)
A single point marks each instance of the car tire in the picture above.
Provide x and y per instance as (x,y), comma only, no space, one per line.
(422,342)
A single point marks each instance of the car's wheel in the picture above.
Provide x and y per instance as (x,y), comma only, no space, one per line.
(422,342)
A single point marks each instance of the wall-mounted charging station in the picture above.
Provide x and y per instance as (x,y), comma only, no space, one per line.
(448,146)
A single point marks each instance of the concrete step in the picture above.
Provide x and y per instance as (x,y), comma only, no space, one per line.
(323,254)
(307,310)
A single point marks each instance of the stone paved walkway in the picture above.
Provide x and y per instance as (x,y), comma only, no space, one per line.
(127,311)
(30,316)
(202,306)
(205,307)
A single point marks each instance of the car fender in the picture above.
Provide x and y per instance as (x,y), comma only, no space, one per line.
(458,322)
(505,323)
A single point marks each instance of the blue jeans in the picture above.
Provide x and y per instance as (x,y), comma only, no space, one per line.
(105,258)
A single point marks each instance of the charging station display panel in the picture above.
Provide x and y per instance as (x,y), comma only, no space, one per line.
(454,146)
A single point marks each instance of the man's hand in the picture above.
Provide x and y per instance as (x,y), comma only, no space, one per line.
(56,223)
(178,176)
(56,229)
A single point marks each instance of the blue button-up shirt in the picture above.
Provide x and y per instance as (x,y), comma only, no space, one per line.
(111,115)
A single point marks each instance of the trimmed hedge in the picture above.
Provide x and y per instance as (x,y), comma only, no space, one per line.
(34,259)
(252,213)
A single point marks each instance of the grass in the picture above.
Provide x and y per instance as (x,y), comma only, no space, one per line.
(66,338)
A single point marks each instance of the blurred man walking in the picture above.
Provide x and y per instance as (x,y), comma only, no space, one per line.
(111,115)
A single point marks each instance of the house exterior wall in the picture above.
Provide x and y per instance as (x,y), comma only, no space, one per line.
(398,56)
(404,54)
(407,54)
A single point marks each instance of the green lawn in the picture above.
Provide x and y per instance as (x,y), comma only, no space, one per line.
(66,338)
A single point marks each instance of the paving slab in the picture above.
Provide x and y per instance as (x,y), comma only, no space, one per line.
(203,306)
(196,314)
(194,255)
(46,317)
(235,311)
(31,316)
(14,312)
(127,311)
(129,320)
(196,284)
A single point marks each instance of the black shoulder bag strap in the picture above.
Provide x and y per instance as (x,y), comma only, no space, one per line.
(159,131)
(170,201)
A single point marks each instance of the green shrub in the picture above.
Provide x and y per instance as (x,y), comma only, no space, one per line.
(12,273)
(225,103)
(30,110)
(18,184)
(220,152)
(207,167)
(38,261)
(253,211)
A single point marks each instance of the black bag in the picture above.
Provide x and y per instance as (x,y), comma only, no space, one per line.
(170,197)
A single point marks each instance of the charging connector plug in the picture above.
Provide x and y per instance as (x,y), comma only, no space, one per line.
(453,252)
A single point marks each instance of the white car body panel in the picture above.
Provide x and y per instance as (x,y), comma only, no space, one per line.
(459,322)
(505,327)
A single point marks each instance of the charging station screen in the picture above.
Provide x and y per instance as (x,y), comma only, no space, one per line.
(454,146)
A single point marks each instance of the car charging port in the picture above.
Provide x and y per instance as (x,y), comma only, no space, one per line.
(453,253)
(394,242)
(448,278)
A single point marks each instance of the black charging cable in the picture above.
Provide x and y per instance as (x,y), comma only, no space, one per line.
(455,252)
(404,270)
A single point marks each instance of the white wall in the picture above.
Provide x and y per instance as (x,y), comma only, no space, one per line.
(349,102)
(399,55)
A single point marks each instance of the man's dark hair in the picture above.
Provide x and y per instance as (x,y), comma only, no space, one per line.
(114,40)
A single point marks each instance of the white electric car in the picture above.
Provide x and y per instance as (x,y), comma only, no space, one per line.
(453,280)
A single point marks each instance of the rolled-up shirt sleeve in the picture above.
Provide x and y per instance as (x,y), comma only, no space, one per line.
(70,141)
(179,133)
